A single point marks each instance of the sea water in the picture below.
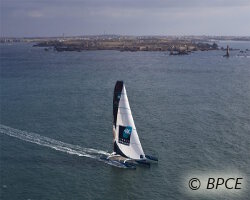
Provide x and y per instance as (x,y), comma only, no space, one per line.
(192,112)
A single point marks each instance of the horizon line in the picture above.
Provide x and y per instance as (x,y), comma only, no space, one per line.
(123,35)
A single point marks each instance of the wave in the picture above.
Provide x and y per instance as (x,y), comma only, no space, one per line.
(53,144)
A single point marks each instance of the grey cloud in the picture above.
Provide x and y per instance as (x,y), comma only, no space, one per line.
(31,4)
(52,17)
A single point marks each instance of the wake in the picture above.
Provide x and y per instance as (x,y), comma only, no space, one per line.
(51,143)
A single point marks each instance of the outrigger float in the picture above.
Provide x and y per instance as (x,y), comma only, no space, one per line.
(128,151)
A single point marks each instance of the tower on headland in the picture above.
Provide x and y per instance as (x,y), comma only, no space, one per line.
(227,54)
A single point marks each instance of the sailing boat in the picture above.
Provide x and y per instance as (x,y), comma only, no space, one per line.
(127,151)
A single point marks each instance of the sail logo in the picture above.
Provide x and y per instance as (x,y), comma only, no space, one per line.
(124,134)
(127,131)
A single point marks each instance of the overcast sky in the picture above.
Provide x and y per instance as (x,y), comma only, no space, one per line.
(126,17)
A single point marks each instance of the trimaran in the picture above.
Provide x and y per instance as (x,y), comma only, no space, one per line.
(128,151)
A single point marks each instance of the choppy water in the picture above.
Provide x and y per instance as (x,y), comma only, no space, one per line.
(193,112)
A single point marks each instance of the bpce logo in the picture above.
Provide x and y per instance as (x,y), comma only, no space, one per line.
(212,183)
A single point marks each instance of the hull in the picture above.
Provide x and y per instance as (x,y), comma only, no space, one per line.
(123,162)
(119,162)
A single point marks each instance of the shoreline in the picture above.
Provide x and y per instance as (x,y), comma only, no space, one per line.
(183,45)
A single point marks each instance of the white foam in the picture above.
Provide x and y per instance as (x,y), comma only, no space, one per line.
(51,143)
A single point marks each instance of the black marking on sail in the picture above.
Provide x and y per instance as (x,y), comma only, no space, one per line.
(116,100)
(124,134)
(117,150)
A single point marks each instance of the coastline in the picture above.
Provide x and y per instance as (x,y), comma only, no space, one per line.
(176,45)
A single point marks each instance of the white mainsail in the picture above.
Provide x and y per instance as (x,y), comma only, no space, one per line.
(126,141)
